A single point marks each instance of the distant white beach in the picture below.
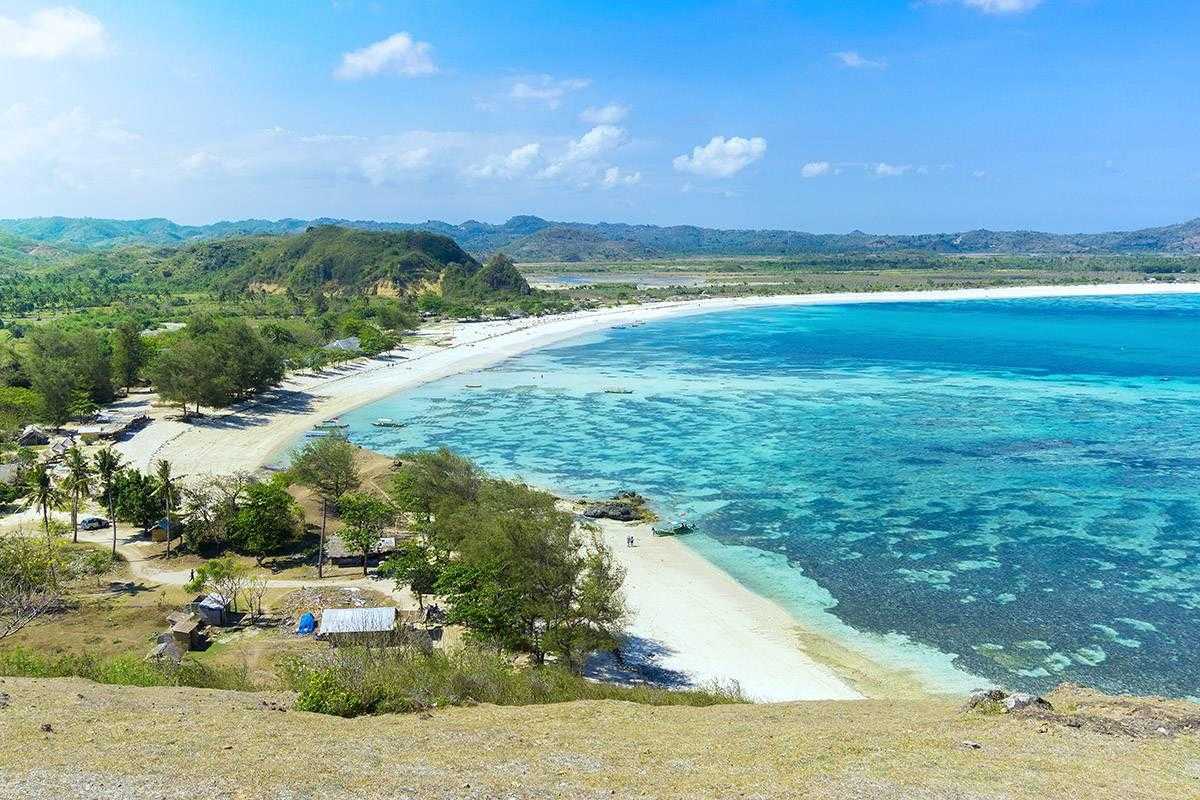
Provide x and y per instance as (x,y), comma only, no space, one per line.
(715,628)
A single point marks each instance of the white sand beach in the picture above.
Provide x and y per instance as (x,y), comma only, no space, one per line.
(709,626)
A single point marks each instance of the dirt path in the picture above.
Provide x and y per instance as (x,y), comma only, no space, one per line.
(132,547)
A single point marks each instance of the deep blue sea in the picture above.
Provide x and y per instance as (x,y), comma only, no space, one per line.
(1009,489)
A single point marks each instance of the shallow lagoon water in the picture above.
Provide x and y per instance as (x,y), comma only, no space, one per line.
(1009,489)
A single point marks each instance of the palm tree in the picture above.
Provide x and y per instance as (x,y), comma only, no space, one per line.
(78,485)
(166,488)
(108,467)
(41,493)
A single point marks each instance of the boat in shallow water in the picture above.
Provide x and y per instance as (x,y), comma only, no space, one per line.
(388,422)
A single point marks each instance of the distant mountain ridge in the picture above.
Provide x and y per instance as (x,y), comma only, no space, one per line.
(530,238)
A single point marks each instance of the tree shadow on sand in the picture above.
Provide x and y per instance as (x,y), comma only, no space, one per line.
(637,664)
(258,412)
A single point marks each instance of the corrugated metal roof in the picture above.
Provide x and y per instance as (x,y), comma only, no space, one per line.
(357,620)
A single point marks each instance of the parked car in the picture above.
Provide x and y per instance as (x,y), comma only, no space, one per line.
(93,523)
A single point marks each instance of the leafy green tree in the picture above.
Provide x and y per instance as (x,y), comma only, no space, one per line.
(42,494)
(523,579)
(423,483)
(211,504)
(77,484)
(326,466)
(129,353)
(413,565)
(225,576)
(29,585)
(190,371)
(137,499)
(18,407)
(108,468)
(365,517)
(216,362)
(266,520)
(167,494)
(64,365)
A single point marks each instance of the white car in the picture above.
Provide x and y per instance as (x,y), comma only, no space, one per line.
(93,523)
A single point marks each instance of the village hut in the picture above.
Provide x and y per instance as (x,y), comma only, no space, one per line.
(357,625)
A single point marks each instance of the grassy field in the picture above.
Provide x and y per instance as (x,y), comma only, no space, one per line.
(666,279)
(123,742)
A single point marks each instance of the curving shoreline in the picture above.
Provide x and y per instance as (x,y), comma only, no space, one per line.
(714,627)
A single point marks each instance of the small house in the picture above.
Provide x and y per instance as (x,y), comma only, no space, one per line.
(10,474)
(339,555)
(58,448)
(357,625)
(188,632)
(350,344)
(33,436)
(213,609)
(160,530)
(111,426)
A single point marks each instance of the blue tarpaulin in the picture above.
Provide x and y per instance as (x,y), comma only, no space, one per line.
(307,624)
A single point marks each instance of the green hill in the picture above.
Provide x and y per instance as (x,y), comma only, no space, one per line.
(328,256)
(531,238)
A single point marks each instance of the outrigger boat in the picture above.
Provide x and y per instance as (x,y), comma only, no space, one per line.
(618,390)
(334,424)
(387,422)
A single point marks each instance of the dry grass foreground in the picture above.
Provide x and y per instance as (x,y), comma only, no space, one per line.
(121,742)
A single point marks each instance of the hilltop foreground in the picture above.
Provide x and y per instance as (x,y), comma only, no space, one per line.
(68,739)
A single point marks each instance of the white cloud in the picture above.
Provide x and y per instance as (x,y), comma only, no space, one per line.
(582,161)
(389,163)
(614,177)
(516,162)
(399,54)
(546,90)
(851,58)
(886,170)
(814,169)
(596,142)
(46,151)
(52,33)
(610,114)
(1002,6)
(721,157)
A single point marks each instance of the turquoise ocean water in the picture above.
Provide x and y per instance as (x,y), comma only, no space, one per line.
(1005,488)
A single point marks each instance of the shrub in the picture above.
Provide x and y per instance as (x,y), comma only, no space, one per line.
(121,670)
(360,680)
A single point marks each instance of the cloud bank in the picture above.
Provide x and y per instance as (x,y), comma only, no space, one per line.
(399,54)
(722,157)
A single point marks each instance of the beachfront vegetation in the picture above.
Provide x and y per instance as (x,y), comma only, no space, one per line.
(327,467)
(513,567)
(77,327)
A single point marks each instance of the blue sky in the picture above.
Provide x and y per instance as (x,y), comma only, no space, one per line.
(882,115)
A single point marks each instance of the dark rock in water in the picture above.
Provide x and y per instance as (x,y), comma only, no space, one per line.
(682,529)
(612,509)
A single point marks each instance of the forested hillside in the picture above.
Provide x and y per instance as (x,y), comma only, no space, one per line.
(535,239)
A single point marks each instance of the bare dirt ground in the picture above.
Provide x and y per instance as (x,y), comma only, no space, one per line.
(67,739)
